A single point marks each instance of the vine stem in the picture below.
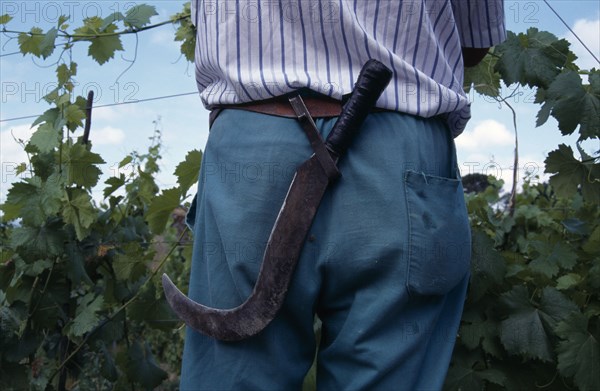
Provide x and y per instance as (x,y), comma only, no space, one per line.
(512,202)
(125,305)
(549,383)
(101,35)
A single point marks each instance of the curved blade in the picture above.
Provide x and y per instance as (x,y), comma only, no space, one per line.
(279,261)
(292,225)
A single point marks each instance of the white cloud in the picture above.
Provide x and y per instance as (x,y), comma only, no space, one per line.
(589,32)
(105,114)
(501,167)
(532,166)
(114,113)
(162,37)
(485,134)
(488,148)
(107,136)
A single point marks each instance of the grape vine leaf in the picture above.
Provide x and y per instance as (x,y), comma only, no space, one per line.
(576,226)
(523,333)
(49,116)
(483,77)
(81,166)
(87,315)
(61,22)
(79,211)
(532,59)
(592,245)
(64,72)
(466,374)
(75,264)
(579,352)
(103,48)
(481,332)
(593,276)
(111,19)
(573,104)
(161,317)
(555,307)
(74,116)
(9,325)
(161,208)
(35,268)
(112,330)
(38,242)
(91,27)
(17,197)
(108,369)
(187,171)
(5,18)
(114,183)
(47,43)
(551,258)
(126,160)
(45,138)
(37,43)
(56,294)
(139,15)
(104,39)
(49,196)
(567,281)
(487,265)
(570,173)
(20,348)
(186,33)
(142,368)
(129,263)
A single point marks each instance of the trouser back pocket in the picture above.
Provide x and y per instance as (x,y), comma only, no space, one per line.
(439,243)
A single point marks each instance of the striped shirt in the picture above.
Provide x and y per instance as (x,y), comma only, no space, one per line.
(249,50)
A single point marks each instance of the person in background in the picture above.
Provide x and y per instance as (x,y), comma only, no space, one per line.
(386,263)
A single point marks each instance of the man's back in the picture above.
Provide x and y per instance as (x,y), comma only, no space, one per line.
(253,50)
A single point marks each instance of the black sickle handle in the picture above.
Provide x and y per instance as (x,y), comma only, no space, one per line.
(372,80)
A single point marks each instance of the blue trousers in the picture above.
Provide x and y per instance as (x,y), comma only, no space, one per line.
(385,266)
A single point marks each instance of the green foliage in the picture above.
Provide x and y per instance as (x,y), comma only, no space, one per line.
(36,43)
(534,58)
(139,15)
(537,59)
(579,352)
(186,32)
(573,104)
(4,19)
(77,275)
(572,175)
(187,171)
(532,316)
(484,78)
(141,367)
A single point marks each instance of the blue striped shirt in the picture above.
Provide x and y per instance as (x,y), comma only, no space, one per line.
(249,50)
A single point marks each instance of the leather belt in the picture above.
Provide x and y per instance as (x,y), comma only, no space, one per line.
(318,106)
(280,106)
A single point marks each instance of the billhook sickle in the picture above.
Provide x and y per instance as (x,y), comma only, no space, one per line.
(291,227)
(279,261)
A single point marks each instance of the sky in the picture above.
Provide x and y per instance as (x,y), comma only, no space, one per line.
(158,69)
